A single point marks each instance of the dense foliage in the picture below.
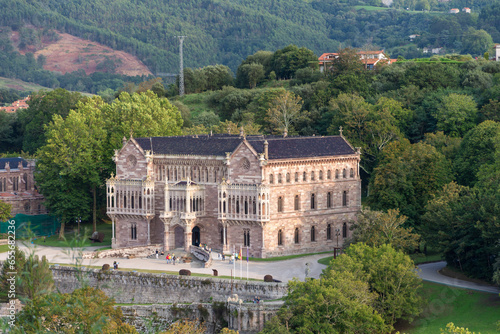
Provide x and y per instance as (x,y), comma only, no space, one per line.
(364,290)
(226,32)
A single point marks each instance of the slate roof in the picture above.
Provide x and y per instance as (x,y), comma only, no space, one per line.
(13,162)
(218,145)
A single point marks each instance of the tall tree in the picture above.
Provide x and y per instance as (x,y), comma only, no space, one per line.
(406,177)
(69,165)
(141,115)
(456,115)
(339,303)
(389,273)
(285,110)
(376,228)
(477,149)
(42,107)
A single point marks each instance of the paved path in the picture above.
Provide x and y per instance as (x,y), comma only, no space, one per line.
(281,270)
(430,272)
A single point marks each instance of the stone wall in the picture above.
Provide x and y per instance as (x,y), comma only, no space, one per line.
(245,317)
(135,287)
(129,252)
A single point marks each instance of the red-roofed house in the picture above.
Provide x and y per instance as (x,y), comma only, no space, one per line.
(454,11)
(19,104)
(466,10)
(369,58)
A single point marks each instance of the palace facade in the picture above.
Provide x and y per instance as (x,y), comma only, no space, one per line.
(274,195)
(17,187)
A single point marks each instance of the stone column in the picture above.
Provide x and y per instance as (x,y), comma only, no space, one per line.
(263,248)
(166,235)
(113,237)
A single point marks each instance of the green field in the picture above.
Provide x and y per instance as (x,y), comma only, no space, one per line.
(20,85)
(477,311)
(70,241)
(371,8)
(4,248)
(196,103)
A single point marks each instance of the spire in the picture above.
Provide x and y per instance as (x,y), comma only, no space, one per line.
(340,131)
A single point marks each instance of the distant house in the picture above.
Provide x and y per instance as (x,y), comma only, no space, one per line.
(369,58)
(412,37)
(19,104)
(497,52)
(466,10)
(454,11)
(444,0)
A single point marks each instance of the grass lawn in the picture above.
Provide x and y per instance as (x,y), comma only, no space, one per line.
(420,258)
(70,241)
(162,272)
(478,311)
(371,8)
(4,248)
(196,103)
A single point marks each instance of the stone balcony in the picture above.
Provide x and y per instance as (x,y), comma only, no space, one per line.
(243,202)
(130,197)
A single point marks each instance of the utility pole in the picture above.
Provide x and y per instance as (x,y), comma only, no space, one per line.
(181,66)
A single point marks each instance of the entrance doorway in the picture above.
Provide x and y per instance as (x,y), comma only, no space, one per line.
(179,237)
(196,236)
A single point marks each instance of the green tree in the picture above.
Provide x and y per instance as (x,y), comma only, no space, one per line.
(406,177)
(85,310)
(339,303)
(142,115)
(35,278)
(456,115)
(446,145)
(249,75)
(5,211)
(366,126)
(376,228)
(285,110)
(389,273)
(73,157)
(42,107)
(452,329)
(476,42)
(477,149)
(285,62)
(11,268)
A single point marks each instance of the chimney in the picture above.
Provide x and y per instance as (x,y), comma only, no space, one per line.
(266,150)
(242,132)
(124,140)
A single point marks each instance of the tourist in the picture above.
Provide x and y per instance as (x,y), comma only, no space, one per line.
(168,258)
(174,258)
(115,265)
(156,254)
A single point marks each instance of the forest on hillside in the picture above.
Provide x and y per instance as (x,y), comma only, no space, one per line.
(226,32)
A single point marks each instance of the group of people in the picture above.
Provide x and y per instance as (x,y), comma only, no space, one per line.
(171,258)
